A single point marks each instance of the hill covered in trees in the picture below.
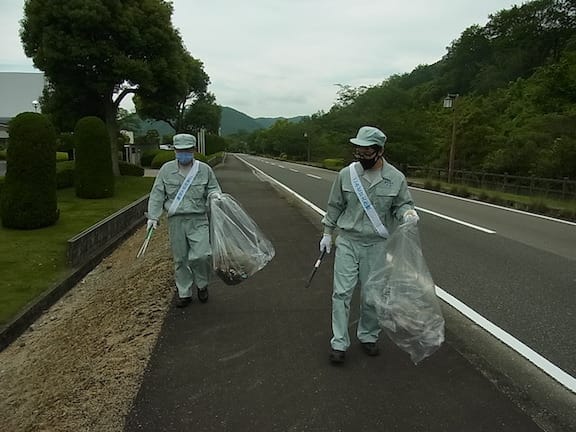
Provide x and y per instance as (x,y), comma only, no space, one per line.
(515,112)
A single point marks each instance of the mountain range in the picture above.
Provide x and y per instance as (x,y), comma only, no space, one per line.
(234,121)
(231,122)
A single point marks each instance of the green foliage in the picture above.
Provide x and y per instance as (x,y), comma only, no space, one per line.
(200,157)
(2,154)
(61,157)
(333,164)
(94,177)
(161,158)
(147,156)
(128,169)
(28,198)
(215,143)
(95,53)
(65,174)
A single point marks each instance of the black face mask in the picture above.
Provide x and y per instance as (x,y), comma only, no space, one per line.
(369,163)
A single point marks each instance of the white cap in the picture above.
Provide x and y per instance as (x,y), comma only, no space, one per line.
(183,141)
(368,136)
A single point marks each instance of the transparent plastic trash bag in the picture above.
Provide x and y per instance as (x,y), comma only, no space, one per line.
(239,248)
(404,295)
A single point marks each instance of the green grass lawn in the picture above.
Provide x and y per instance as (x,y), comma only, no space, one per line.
(32,261)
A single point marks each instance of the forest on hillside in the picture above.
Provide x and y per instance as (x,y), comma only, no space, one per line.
(515,112)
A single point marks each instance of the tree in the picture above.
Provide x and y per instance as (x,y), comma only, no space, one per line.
(196,107)
(29,192)
(105,50)
(93,174)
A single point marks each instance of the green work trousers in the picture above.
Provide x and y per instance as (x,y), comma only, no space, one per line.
(190,243)
(353,264)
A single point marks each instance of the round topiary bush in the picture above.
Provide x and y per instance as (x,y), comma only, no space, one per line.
(93,176)
(28,198)
(161,158)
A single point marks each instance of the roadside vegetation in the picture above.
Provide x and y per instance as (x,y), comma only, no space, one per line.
(33,260)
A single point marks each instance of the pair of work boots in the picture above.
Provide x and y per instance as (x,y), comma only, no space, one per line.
(370,348)
(185,301)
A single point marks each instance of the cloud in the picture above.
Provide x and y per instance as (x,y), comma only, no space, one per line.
(272,58)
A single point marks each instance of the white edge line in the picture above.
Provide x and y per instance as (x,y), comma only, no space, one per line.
(476,227)
(286,188)
(495,206)
(545,365)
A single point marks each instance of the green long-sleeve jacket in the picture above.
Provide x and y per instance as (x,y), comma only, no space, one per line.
(389,196)
(167,184)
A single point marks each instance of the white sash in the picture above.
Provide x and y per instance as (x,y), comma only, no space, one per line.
(184,188)
(366,204)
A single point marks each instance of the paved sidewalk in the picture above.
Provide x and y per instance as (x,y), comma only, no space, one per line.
(255,357)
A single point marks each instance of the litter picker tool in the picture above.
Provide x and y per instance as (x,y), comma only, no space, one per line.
(145,244)
(315,269)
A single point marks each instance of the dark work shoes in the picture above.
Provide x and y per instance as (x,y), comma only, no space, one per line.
(203,295)
(337,357)
(183,302)
(370,348)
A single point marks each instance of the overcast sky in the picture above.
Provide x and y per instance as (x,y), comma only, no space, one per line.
(270,58)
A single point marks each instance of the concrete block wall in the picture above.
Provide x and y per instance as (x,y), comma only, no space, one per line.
(82,247)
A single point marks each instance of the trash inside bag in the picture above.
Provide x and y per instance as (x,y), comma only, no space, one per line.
(239,248)
(404,295)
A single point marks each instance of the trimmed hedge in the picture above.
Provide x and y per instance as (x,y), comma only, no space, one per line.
(127,169)
(333,164)
(94,177)
(161,158)
(148,156)
(28,199)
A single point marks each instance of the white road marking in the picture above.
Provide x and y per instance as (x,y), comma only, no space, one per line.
(286,188)
(495,206)
(528,353)
(451,219)
(294,170)
(314,176)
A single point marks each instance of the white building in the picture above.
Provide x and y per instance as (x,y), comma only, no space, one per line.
(19,92)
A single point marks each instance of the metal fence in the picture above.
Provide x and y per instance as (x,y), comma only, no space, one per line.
(564,189)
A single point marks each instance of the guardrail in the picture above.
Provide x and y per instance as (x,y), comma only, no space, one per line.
(521,185)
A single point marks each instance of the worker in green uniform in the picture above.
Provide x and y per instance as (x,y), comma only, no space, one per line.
(369,198)
(182,188)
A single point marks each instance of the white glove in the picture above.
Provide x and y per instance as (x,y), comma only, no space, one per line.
(214,195)
(410,216)
(152,223)
(326,243)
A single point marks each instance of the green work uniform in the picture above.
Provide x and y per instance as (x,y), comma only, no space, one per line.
(188,227)
(359,248)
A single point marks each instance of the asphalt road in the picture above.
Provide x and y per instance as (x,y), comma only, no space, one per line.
(515,269)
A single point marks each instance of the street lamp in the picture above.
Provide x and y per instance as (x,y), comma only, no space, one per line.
(308,146)
(450,102)
(35,104)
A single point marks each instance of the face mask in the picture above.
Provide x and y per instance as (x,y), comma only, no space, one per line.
(368,163)
(185,158)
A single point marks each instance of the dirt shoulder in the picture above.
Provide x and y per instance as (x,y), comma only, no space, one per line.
(79,366)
